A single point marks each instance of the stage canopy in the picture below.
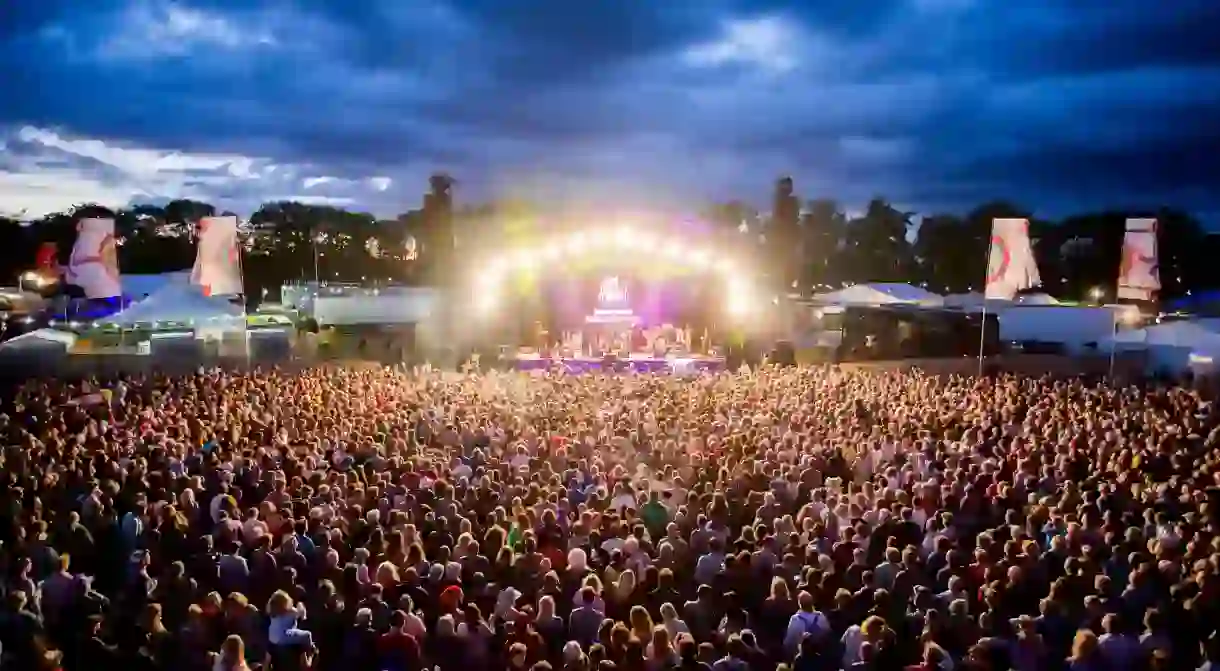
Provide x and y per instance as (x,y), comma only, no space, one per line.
(880,293)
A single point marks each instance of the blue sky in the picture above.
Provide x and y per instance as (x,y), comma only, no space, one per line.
(935,104)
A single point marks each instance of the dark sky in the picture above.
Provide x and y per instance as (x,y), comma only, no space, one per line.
(1061,105)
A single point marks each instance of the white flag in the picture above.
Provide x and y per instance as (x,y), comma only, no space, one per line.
(94,266)
(1010,266)
(1139,276)
(217,264)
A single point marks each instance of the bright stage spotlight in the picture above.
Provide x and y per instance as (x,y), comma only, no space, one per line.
(576,243)
(552,252)
(486,294)
(739,299)
(671,249)
(485,304)
(701,258)
(623,236)
(525,260)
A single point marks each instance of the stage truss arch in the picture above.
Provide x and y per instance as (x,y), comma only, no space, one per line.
(493,276)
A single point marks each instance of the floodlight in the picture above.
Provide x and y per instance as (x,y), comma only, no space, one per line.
(644,240)
(1129,315)
(485,305)
(525,260)
(577,242)
(495,269)
(739,299)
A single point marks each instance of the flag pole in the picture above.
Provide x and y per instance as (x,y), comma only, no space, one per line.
(983,320)
(241,275)
(313,243)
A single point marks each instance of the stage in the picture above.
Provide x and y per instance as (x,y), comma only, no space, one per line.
(631,364)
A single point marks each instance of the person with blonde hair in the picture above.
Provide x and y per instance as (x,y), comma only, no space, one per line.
(387,575)
(283,633)
(547,622)
(1085,652)
(232,656)
(660,653)
(640,622)
(620,593)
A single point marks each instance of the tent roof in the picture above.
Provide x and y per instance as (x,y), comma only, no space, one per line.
(1196,334)
(1037,299)
(176,302)
(138,286)
(879,293)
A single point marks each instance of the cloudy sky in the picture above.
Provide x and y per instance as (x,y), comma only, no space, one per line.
(936,104)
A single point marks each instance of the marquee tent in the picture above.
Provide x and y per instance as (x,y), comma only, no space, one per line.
(1173,346)
(879,293)
(178,303)
(1037,299)
(139,286)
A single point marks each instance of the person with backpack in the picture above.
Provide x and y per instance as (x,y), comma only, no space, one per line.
(806,620)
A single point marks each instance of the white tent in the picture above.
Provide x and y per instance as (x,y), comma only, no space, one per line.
(179,303)
(139,286)
(970,300)
(879,293)
(1173,346)
(1037,299)
(975,301)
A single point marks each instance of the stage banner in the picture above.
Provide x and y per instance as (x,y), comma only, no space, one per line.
(217,260)
(1010,265)
(1139,275)
(94,265)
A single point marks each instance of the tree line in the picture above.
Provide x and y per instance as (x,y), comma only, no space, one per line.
(807,244)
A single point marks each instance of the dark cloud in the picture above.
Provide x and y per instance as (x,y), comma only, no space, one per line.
(934,103)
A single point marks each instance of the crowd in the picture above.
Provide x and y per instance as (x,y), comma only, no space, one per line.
(808,519)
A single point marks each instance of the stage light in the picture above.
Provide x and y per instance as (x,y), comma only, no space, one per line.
(552,251)
(485,304)
(623,236)
(577,243)
(671,249)
(701,258)
(740,299)
(496,269)
(525,260)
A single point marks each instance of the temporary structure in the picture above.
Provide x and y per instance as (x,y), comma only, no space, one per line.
(1173,346)
(139,286)
(1037,299)
(178,303)
(879,293)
